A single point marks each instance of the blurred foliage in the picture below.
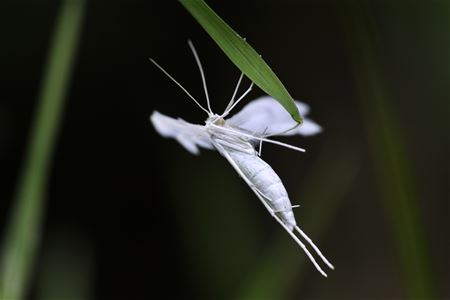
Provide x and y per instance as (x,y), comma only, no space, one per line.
(66,268)
(390,157)
(23,233)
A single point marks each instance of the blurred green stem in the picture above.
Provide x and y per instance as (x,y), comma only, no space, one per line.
(389,153)
(66,268)
(23,231)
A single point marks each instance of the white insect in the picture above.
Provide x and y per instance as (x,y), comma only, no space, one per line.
(235,139)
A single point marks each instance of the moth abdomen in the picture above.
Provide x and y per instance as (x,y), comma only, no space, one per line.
(268,183)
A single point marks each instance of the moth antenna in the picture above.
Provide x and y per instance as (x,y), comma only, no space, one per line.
(179,84)
(202,74)
(314,247)
(235,92)
(237,101)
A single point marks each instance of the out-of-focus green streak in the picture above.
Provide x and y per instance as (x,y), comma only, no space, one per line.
(282,264)
(389,153)
(66,268)
(24,228)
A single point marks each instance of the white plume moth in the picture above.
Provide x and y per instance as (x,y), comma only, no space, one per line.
(236,139)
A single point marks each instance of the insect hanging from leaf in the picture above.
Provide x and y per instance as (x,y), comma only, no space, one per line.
(237,139)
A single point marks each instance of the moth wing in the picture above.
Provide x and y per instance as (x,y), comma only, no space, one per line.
(190,136)
(265,116)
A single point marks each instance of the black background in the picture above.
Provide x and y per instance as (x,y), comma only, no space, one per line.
(119,195)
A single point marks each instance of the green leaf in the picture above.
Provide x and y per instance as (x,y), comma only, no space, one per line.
(242,54)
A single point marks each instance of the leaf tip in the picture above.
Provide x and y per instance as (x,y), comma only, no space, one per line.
(297,118)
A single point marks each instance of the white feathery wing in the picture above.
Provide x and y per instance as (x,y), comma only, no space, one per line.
(265,117)
(190,136)
(261,117)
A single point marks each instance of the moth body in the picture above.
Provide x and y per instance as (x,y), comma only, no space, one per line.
(268,184)
(259,173)
(236,138)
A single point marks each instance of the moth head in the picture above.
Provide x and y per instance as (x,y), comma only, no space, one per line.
(215,119)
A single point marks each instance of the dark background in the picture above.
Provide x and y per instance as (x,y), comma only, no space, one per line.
(134,216)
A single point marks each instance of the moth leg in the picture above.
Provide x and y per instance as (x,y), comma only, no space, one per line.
(260,142)
(242,134)
(235,92)
(296,239)
(286,210)
(303,234)
(261,198)
(314,247)
(232,146)
(238,100)
(260,148)
(297,228)
(252,186)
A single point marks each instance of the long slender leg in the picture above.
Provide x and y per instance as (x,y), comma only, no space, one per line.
(237,101)
(240,133)
(311,258)
(235,92)
(261,142)
(296,239)
(260,197)
(202,74)
(233,146)
(314,247)
(285,210)
(260,148)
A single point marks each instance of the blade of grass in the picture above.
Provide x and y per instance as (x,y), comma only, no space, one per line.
(394,170)
(23,231)
(241,54)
